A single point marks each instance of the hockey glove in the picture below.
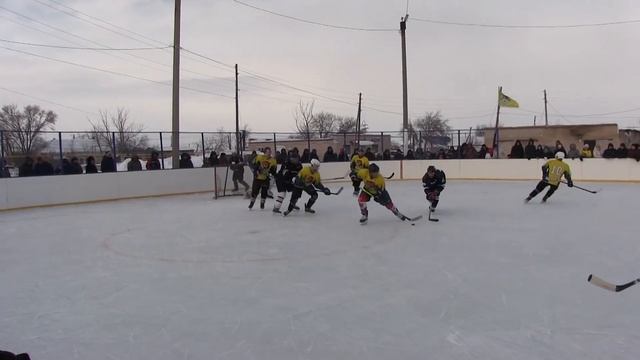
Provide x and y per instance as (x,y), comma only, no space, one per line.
(570,183)
(326,191)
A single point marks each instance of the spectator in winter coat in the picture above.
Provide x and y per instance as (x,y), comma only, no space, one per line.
(134,164)
(107,164)
(441,154)
(622,151)
(410,155)
(329,156)
(306,156)
(452,153)
(634,152)
(26,169)
(342,155)
(66,167)
(483,152)
(573,152)
(597,152)
(281,158)
(185,161)
(420,153)
(397,155)
(213,158)
(314,155)
(223,160)
(559,148)
(549,153)
(517,151)
(386,155)
(530,150)
(154,161)
(539,152)
(370,155)
(4,172)
(91,167)
(42,167)
(470,152)
(76,168)
(586,152)
(610,153)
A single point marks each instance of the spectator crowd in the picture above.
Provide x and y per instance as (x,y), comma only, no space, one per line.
(42,167)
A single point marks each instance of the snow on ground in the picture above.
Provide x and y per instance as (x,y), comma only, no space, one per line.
(188,277)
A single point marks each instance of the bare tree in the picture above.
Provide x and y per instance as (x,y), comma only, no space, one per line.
(128,134)
(432,126)
(350,125)
(24,128)
(303,116)
(324,123)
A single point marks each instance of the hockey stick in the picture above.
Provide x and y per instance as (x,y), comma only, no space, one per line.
(583,189)
(609,286)
(337,192)
(390,176)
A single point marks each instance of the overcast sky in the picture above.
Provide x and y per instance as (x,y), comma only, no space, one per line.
(452,69)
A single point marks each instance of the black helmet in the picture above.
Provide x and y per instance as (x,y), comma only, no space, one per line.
(431,168)
(373,168)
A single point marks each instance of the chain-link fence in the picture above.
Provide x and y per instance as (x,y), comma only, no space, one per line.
(70,152)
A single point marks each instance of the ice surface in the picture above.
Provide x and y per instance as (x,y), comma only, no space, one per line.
(188,277)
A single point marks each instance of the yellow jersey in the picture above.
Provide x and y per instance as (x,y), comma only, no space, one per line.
(586,153)
(371,185)
(359,162)
(309,177)
(555,170)
(264,165)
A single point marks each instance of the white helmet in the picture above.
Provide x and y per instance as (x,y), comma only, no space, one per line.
(315,163)
(560,155)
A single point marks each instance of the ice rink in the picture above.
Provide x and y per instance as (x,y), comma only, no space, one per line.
(188,277)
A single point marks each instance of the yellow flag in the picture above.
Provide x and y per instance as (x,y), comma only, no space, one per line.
(506,101)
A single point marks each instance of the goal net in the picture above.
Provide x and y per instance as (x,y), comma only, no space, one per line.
(225,183)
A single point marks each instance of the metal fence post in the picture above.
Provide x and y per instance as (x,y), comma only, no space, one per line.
(115,150)
(275,145)
(162,151)
(420,141)
(204,152)
(244,142)
(381,142)
(458,138)
(60,147)
(1,144)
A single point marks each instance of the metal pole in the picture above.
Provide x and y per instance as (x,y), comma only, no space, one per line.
(358,126)
(115,151)
(1,145)
(405,93)
(546,118)
(175,109)
(60,147)
(381,142)
(204,152)
(237,115)
(274,144)
(534,120)
(162,152)
(458,138)
(496,137)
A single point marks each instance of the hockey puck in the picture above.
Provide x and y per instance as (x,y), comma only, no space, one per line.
(412,224)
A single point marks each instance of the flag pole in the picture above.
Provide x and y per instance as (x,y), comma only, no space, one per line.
(496,136)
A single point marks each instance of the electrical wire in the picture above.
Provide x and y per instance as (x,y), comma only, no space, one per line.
(568,26)
(83,48)
(48,101)
(312,22)
(113,72)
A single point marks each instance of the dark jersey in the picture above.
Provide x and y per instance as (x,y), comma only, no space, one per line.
(288,171)
(435,183)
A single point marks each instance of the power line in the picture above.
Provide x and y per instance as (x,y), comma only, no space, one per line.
(312,22)
(112,72)
(48,101)
(567,26)
(84,48)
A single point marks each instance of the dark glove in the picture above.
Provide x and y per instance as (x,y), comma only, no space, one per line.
(353,176)
(570,183)
(326,191)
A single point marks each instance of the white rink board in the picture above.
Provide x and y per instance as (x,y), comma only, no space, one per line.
(55,190)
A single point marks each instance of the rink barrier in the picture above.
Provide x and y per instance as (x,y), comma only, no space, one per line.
(17,193)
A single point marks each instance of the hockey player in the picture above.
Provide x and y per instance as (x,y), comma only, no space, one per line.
(284,178)
(308,180)
(263,166)
(358,162)
(374,187)
(237,166)
(433,183)
(552,173)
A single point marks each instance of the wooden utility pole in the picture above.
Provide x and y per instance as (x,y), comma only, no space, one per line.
(238,116)
(534,120)
(175,108)
(546,117)
(405,93)
(359,119)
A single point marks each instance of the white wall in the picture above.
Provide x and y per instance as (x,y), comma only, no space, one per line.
(54,190)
